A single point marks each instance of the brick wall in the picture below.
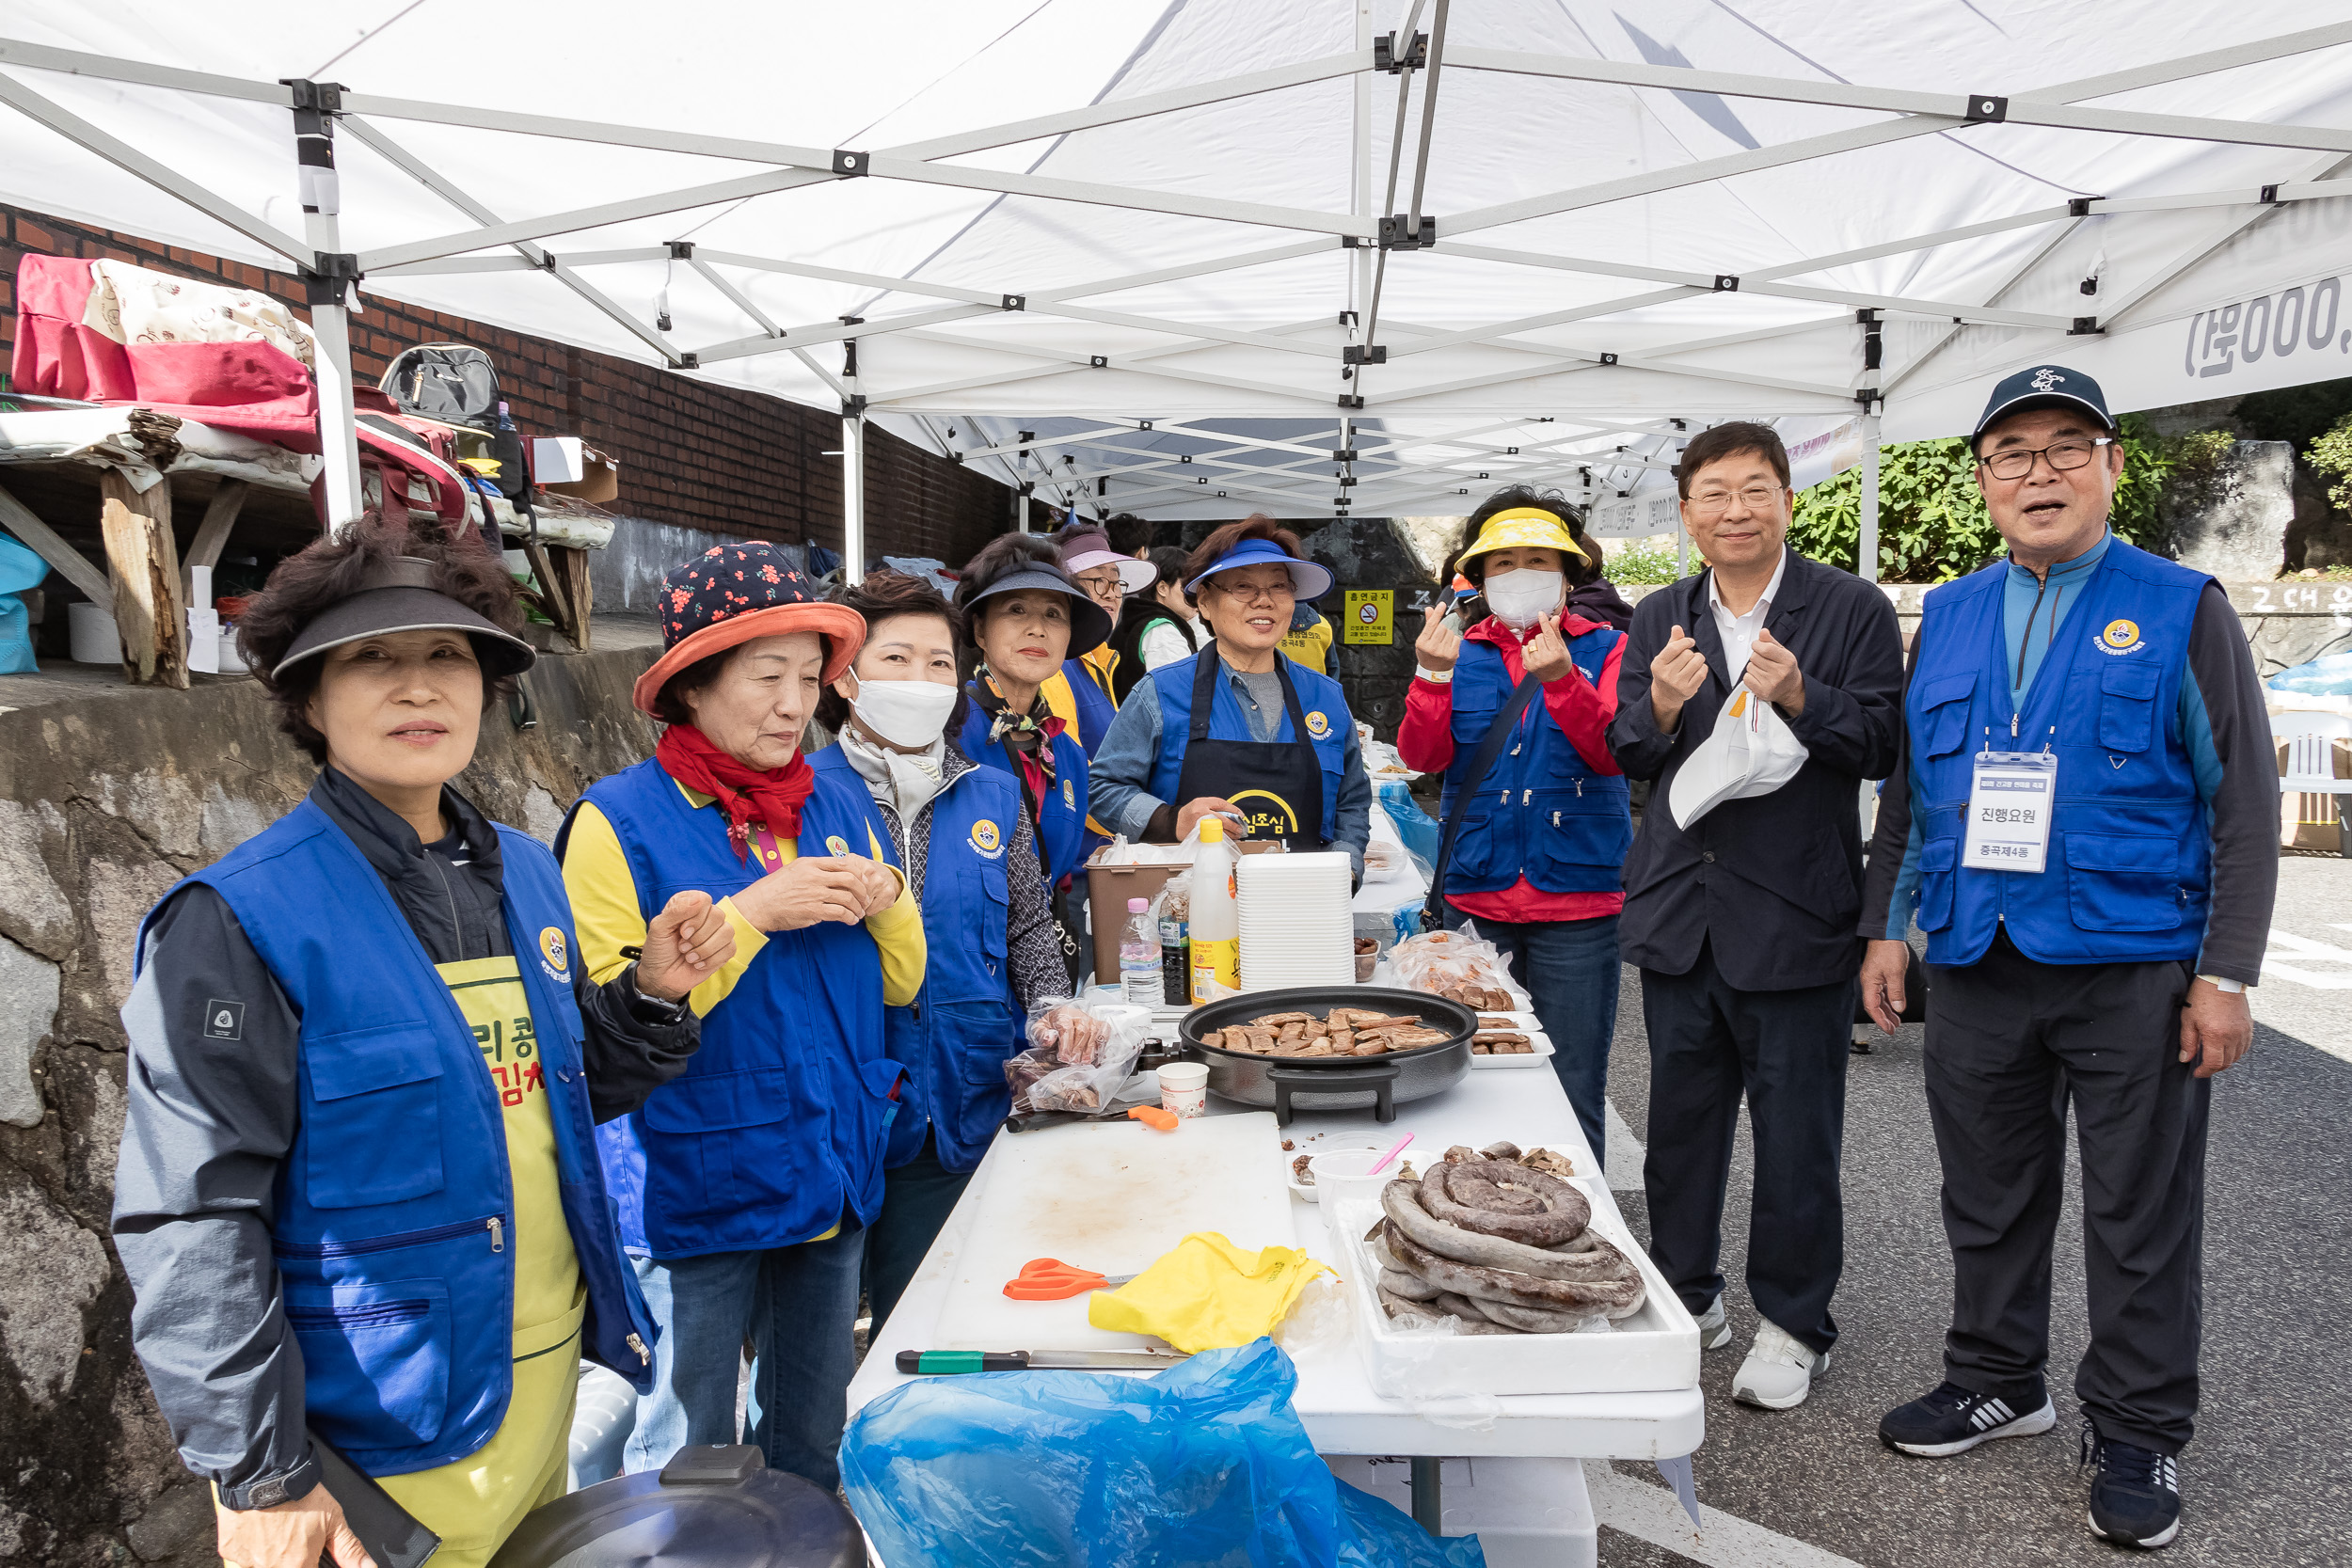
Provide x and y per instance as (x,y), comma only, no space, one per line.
(691,454)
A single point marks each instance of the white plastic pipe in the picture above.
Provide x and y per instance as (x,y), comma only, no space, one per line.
(1868,566)
(852,498)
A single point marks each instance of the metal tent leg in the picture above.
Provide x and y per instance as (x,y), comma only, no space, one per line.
(1428,1500)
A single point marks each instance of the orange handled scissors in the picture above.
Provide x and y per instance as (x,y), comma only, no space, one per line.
(1051,1279)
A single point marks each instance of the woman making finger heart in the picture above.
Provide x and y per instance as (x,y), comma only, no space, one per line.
(359,1196)
(1537,859)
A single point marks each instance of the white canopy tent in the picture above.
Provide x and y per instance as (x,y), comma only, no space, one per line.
(1184,256)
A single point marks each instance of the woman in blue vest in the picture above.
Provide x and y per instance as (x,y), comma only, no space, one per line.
(962,834)
(1537,860)
(1023,614)
(1237,728)
(359,1196)
(743,1185)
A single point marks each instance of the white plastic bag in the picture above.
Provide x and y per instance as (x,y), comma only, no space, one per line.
(1750,753)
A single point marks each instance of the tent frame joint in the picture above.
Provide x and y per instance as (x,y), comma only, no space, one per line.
(1398,232)
(681,250)
(1385,58)
(2086,326)
(851,164)
(328,278)
(1364,353)
(1985,108)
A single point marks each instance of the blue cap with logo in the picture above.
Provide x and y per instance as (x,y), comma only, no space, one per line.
(2041,386)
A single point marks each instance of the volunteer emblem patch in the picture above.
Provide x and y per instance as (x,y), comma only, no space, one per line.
(986,839)
(1317,725)
(552,943)
(2121,637)
(835,843)
(1069,794)
(224,1021)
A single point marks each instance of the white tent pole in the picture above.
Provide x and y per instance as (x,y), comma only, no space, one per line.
(853,497)
(1867,564)
(327,288)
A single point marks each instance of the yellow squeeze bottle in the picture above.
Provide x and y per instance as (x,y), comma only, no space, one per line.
(1216,926)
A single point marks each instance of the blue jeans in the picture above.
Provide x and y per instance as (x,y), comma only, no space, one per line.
(1569,968)
(798,1304)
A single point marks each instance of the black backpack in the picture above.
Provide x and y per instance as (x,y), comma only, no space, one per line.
(449,382)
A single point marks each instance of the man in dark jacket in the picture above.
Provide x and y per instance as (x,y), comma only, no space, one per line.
(1741,920)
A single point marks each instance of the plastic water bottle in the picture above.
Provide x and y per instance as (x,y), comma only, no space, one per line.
(1139,956)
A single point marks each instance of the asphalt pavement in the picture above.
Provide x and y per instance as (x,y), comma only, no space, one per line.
(2268,1478)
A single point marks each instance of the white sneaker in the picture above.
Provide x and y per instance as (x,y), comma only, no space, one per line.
(1715,1330)
(1778,1373)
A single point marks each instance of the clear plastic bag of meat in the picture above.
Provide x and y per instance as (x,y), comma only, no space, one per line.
(1444,962)
(1110,1035)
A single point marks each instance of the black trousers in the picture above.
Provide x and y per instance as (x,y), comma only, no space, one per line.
(1786,1050)
(2011,1044)
(918,1197)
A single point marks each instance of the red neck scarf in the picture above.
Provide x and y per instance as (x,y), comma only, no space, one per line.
(746,793)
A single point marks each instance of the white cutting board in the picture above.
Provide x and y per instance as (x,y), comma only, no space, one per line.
(1111,1198)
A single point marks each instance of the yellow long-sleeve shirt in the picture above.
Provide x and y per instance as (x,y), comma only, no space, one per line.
(606,914)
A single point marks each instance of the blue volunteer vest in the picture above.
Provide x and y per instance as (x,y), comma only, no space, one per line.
(394,1208)
(777,1124)
(1541,809)
(2130,863)
(953,1038)
(1321,702)
(1061,826)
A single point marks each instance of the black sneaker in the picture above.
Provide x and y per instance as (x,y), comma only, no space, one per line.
(2136,1497)
(1953,1420)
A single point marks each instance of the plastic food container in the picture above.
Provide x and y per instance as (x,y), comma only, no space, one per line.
(1344,1175)
(1184,1088)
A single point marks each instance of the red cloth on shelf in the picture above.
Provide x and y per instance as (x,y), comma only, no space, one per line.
(254,389)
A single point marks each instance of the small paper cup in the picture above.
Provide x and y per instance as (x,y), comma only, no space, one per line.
(1184,1088)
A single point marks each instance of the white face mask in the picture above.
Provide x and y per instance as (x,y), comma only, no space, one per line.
(1519,596)
(904,713)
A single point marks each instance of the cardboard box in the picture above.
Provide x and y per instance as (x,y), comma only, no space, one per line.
(1109,887)
(566,466)
(2310,821)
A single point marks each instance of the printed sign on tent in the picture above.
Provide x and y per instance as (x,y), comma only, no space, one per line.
(1370,616)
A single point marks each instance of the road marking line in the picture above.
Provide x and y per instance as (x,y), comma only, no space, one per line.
(1651,1513)
(1623,1158)
(2307,951)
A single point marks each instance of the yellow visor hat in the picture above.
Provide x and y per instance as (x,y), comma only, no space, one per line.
(1524,527)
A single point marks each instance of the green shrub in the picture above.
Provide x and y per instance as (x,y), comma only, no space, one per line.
(2330,456)
(1932,524)
(1640,561)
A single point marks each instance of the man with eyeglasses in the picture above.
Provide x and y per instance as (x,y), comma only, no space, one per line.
(1741,921)
(2086,824)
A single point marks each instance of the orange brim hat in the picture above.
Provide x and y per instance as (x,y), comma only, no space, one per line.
(730,595)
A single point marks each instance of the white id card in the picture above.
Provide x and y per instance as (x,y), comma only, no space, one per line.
(2009,811)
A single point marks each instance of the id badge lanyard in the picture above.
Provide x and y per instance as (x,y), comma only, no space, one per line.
(2010,799)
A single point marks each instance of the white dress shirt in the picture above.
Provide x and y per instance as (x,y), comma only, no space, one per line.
(1738,631)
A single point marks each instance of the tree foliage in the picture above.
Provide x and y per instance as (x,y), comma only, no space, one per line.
(1932,524)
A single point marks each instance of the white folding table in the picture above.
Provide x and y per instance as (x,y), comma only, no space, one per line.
(1334,1398)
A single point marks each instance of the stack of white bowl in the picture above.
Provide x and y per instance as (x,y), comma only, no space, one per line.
(1297,920)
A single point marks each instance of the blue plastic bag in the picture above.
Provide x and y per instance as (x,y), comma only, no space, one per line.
(2331,677)
(20,569)
(1205,1464)
(1416,827)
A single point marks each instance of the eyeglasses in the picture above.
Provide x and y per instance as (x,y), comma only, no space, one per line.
(1714,503)
(1249,593)
(1106,587)
(2073,452)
